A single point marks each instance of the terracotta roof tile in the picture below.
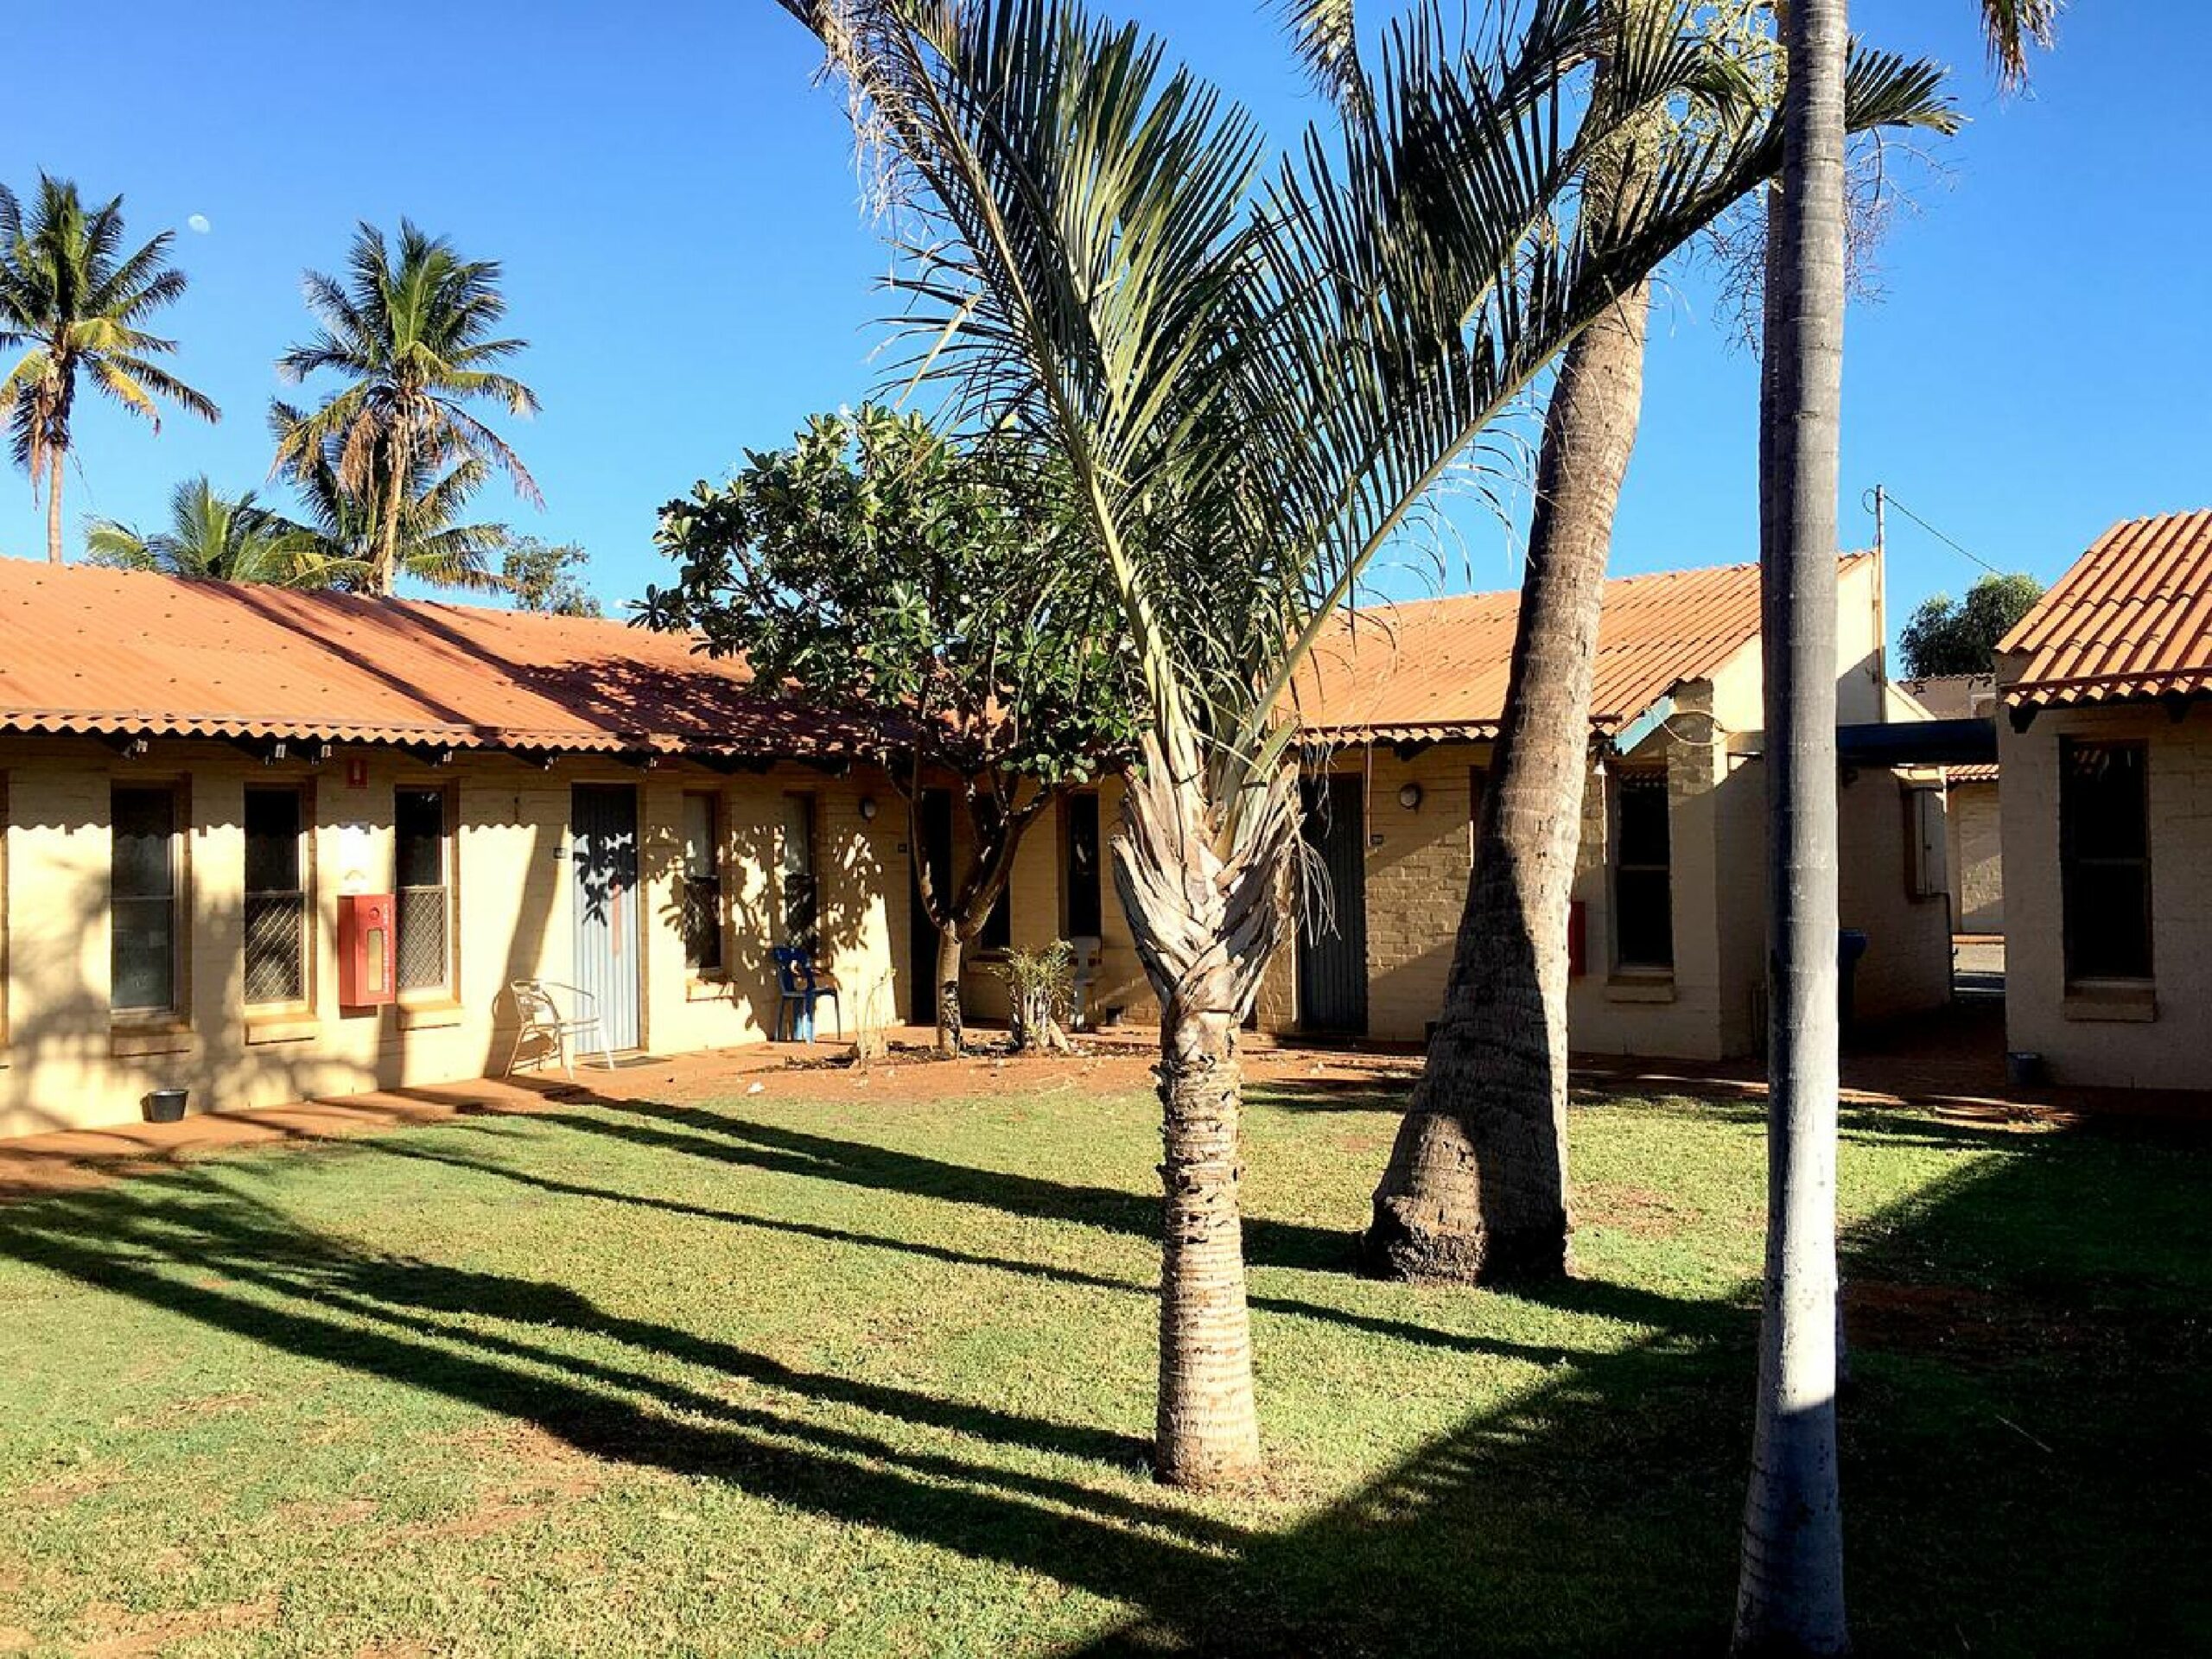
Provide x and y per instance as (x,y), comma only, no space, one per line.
(2132,618)
(1437,668)
(100,651)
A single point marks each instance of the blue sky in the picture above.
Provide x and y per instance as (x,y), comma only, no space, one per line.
(675,204)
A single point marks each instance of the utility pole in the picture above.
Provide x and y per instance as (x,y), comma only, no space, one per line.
(1882,592)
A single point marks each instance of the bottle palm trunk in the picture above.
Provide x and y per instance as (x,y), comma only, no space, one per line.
(1790,1592)
(1206,917)
(1475,1188)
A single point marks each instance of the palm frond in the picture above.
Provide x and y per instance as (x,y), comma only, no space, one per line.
(2010,27)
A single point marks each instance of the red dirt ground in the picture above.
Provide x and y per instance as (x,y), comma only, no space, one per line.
(44,1163)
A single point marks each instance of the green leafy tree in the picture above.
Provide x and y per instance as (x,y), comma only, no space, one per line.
(1251,376)
(937,589)
(1948,636)
(76,303)
(1789,1591)
(412,332)
(224,538)
(547,577)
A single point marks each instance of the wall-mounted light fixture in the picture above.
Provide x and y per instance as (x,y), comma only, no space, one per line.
(868,809)
(1409,797)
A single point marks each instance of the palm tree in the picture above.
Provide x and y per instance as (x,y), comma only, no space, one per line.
(1476,1187)
(412,332)
(223,538)
(1252,378)
(1789,1593)
(74,300)
(427,543)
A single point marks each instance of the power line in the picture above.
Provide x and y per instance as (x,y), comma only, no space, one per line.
(1965,552)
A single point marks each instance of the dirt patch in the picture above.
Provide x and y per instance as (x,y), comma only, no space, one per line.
(321,1515)
(120,1632)
(1640,1212)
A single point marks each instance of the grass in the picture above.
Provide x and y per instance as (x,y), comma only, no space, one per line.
(874,1376)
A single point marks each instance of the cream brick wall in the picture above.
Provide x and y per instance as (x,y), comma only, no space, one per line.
(2173,1051)
(1975,849)
(66,1063)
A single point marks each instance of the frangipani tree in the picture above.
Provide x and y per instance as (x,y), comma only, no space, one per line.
(1252,373)
(933,590)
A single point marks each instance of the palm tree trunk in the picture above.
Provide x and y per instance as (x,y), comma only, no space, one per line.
(1791,1594)
(951,1031)
(385,582)
(1208,1431)
(1475,1188)
(54,459)
(1206,918)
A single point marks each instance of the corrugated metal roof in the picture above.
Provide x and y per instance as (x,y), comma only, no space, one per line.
(2132,618)
(1427,670)
(100,651)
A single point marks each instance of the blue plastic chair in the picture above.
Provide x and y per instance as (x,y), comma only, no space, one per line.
(800,985)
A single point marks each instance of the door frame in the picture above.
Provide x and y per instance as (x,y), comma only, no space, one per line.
(636,928)
(921,932)
(1340,786)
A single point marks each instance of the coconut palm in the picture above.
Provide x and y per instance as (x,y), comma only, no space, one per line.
(1252,375)
(1476,1186)
(411,330)
(224,539)
(75,301)
(427,543)
(1789,1594)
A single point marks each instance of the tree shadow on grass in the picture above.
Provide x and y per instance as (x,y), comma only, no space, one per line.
(2027,1482)
(723,1137)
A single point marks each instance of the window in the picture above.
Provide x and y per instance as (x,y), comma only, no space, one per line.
(422,876)
(703,883)
(147,863)
(2105,858)
(1086,914)
(1643,903)
(802,900)
(276,896)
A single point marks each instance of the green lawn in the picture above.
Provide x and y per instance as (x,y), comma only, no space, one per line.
(874,1378)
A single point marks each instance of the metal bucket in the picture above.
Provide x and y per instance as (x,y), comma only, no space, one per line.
(166,1105)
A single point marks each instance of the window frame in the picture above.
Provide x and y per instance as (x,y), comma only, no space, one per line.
(1623,778)
(302,790)
(448,989)
(177,1011)
(2069,862)
(687,880)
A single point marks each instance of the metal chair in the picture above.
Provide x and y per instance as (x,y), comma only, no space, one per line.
(537,1006)
(800,985)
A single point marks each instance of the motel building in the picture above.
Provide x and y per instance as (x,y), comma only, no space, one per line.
(267,845)
(2106,738)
